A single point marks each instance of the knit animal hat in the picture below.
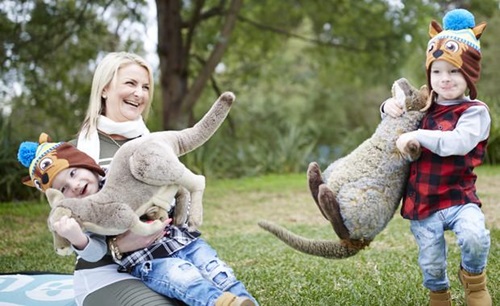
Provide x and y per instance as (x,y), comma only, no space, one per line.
(46,159)
(458,44)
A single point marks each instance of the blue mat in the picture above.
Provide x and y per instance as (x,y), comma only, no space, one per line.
(36,289)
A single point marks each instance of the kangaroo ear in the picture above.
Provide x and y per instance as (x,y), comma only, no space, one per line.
(53,196)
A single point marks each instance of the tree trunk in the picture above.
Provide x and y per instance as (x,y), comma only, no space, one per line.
(173,68)
(179,97)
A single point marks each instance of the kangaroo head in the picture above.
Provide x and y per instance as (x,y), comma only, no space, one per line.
(54,196)
(410,97)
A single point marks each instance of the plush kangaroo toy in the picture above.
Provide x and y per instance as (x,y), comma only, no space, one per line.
(360,192)
(140,170)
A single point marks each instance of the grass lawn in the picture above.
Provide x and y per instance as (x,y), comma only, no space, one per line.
(386,273)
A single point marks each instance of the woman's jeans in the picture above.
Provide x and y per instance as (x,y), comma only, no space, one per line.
(194,275)
(467,222)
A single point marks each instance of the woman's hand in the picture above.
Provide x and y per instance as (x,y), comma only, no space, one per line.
(392,107)
(129,241)
(68,228)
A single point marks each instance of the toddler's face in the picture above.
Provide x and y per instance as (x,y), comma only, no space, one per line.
(447,81)
(76,182)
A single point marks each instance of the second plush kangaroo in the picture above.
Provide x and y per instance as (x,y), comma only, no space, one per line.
(360,192)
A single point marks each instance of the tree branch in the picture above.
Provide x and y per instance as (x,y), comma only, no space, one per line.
(193,22)
(195,90)
(288,34)
(215,11)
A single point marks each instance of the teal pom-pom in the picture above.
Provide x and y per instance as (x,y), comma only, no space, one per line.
(458,19)
(26,153)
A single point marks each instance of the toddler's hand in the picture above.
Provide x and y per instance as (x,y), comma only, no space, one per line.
(393,107)
(68,228)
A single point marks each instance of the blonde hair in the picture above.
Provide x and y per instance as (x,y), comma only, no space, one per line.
(104,74)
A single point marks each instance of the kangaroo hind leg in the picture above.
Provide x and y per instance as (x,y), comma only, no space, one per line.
(315,179)
(329,205)
(195,184)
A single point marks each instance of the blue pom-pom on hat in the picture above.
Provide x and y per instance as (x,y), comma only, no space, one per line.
(458,19)
(26,153)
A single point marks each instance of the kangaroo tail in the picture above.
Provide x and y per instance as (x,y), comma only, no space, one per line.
(191,138)
(324,248)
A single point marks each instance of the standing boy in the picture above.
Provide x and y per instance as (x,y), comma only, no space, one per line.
(441,192)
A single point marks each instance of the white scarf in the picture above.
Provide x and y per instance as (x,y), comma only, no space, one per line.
(128,129)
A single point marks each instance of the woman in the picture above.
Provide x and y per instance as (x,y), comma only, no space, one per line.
(121,95)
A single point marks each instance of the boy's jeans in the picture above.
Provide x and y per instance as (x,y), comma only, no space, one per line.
(467,222)
(193,274)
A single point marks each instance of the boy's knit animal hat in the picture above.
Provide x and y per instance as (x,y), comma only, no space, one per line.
(458,44)
(46,159)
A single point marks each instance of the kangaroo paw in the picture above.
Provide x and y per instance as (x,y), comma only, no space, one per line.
(315,179)
(61,245)
(156,213)
(182,203)
(413,150)
(330,207)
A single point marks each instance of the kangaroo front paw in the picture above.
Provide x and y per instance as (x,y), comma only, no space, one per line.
(65,251)
(61,245)
(156,213)
(412,150)
(408,146)
(194,223)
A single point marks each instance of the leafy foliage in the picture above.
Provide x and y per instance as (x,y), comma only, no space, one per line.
(49,54)
(308,84)
(11,171)
(493,149)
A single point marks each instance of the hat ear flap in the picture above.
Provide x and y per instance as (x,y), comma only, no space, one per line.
(428,95)
(434,28)
(27,181)
(479,29)
(43,138)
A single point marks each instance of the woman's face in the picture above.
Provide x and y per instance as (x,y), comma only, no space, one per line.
(128,94)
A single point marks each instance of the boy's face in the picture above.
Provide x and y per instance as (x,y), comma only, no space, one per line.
(76,182)
(447,81)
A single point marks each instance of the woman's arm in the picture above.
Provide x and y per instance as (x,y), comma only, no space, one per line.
(129,241)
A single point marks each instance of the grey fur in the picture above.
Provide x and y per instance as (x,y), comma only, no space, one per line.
(360,192)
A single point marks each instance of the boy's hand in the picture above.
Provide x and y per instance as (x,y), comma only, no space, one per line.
(393,108)
(68,228)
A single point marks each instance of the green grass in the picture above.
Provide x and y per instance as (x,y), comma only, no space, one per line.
(386,273)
